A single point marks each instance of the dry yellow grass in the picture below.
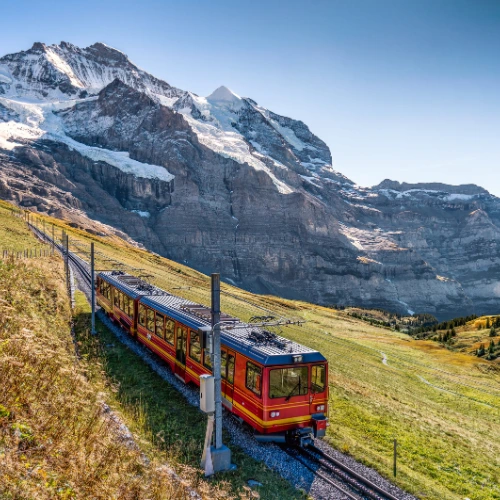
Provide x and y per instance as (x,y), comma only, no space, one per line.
(55,440)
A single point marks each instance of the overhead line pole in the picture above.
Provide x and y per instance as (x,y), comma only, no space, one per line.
(92,274)
(221,455)
(217,358)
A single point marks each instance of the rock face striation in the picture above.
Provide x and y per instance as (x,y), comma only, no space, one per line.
(222,183)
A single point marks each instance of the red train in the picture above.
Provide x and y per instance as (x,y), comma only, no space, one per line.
(279,387)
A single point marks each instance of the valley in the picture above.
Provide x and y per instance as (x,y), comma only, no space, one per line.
(441,406)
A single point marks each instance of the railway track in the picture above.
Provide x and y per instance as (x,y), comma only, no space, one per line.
(338,475)
(333,472)
(82,267)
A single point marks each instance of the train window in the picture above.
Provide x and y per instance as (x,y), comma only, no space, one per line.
(207,358)
(254,378)
(142,315)
(230,368)
(288,382)
(223,364)
(159,326)
(150,320)
(195,346)
(227,366)
(115,297)
(181,344)
(318,378)
(169,330)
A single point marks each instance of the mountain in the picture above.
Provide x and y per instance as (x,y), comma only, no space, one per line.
(222,183)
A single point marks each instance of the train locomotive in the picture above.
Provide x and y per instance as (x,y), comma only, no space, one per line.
(278,387)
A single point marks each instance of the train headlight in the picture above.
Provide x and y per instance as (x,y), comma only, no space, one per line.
(297,358)
(320,408)
(275,414)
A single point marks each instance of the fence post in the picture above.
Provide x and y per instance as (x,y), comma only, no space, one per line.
(395,456)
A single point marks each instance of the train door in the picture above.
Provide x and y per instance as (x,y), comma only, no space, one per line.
(227,372)
(180,352)
(319,386)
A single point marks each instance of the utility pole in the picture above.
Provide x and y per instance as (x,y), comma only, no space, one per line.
(221,455)
(217,358)
(92,274)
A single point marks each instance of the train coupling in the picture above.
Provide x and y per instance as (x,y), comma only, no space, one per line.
(302,437)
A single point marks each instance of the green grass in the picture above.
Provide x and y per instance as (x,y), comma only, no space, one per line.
(15,235)
(448,439)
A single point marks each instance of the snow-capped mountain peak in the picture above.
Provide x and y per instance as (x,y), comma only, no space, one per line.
(65,71)
(57,76)
(223,94)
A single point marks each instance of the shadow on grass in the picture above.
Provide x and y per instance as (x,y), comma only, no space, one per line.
(161,415)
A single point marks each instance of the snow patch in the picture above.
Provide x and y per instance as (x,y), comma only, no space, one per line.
(13,134)
(118,159)
(39,121)
(217,133)
(166,101)
(457,196)
(63,67)
(313,180)
(141,213)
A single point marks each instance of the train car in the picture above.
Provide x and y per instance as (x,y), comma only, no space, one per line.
(118,294)
(278,387)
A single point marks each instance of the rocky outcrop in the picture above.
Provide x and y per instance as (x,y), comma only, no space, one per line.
(221,183)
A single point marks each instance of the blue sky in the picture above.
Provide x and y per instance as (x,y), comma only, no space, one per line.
(400,89)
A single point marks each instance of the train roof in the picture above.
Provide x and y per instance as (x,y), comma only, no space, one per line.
(131,285)
(254,342)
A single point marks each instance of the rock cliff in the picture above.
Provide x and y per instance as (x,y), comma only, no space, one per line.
(222,183)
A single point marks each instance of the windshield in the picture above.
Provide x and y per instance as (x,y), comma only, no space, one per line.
(288,382)
(318,378)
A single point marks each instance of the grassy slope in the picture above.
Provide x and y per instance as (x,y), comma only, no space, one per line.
(54,439)
(448,434)
(167,429)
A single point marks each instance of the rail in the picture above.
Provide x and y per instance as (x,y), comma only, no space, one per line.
(333,472)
